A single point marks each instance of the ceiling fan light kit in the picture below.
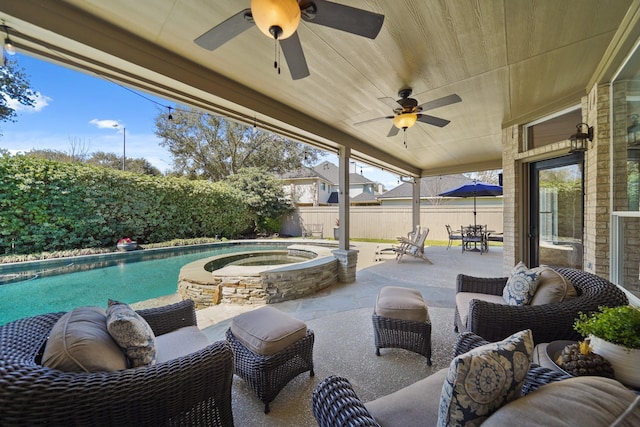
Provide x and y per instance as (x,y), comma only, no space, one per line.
(405,121)
(277,19)
(407,111)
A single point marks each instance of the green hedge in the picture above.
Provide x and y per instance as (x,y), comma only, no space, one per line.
(48,206)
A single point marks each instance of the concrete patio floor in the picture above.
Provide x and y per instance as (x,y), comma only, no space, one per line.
(340,317)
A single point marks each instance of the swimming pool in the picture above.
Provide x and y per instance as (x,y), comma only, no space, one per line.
(129,278)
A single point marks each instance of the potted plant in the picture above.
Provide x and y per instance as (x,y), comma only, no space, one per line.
(336,230)
(614,333)
(126,244)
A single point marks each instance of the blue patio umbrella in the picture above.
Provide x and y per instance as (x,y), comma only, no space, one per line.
(474,189)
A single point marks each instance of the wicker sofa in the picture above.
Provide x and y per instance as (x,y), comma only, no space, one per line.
(584,401)
(549,322)
(194,389)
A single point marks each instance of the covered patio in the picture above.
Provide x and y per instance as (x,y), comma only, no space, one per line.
(512,64)
(341,319)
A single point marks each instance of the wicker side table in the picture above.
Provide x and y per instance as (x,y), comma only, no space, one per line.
(268,374)
(401,320)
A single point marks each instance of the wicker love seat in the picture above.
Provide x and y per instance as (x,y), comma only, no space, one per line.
(549,322)
(194,389)
(547,398)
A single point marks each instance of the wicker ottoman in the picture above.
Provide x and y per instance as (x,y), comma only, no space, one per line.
(401,320)
(270,348)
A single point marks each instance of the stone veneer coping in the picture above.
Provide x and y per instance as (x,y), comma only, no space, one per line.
(236,284)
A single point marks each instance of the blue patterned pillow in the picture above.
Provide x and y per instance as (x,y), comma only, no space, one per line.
(483,379)
(132,333)
(521,286)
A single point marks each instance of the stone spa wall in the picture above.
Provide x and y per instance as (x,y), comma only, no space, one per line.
(242,284)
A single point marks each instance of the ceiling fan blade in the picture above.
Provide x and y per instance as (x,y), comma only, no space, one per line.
(390,102)
(435,121)
(346,18)
(226,30)
(441,102)
(393,131)
(294,56)
(372,120)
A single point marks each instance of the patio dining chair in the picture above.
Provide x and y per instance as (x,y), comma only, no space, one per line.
(453,235)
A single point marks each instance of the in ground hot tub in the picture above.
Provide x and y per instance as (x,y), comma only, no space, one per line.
(258,277)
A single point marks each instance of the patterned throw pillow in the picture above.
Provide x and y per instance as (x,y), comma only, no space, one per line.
(483,379)
(132,333)
(521,286)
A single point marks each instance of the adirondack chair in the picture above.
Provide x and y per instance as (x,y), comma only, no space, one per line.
(413,247)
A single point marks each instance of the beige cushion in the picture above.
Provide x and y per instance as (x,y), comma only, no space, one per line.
(580,401)
(395,302)
(464,298)
(132,333)
(552,287)
(414,405)
(267,331)
(179,343)
(80,342)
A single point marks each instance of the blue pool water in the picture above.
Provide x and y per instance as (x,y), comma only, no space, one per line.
(130,280)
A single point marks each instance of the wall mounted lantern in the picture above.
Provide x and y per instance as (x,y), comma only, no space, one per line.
(579,140)
(633,131)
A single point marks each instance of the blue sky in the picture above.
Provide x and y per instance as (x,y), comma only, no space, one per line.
(77,107)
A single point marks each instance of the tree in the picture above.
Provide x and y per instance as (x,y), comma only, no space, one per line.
(211,147)
(14,86)
(99,158)
(488,176)
(113,161)
(264,195)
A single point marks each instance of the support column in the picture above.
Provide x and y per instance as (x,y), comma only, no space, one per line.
(343,197)
(415,206)
(347,258)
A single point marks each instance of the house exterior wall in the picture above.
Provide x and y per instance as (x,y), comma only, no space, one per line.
(307,191)
(302,191)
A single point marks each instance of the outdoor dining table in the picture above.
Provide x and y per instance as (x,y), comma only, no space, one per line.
(476,234)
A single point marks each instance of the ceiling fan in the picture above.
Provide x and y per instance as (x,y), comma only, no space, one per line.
(407,111)
(279,19)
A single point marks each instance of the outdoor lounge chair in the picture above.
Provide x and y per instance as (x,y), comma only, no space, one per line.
(194,389)
(488,316)
(413,247)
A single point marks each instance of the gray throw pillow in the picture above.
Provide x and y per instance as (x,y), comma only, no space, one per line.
(80,342)
(132,333)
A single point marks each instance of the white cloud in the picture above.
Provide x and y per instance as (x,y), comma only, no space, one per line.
(40,102)
(105,124)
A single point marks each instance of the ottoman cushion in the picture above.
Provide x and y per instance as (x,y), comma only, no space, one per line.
(401,303)
(267,331)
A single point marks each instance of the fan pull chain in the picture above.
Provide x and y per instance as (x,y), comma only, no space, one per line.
(276,54)
(405,137)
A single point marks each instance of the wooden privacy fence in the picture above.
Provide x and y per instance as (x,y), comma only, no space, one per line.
(388,222)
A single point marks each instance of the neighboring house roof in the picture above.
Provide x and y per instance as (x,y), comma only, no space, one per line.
(300,173)
(331,173)
(365,198)
(333,197)
(429,187)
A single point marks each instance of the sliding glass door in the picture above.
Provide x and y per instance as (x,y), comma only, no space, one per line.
(557,212)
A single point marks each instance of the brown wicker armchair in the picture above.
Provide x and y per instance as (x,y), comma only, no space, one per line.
(548,322)
(335,403)
(190,390)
